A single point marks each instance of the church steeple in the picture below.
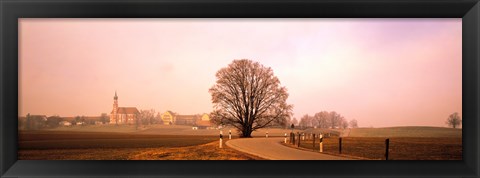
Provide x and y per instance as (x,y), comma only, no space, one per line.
(114,117)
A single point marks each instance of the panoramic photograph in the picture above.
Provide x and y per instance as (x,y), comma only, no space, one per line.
(240,89)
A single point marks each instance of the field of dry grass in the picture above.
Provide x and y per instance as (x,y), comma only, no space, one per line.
(125,142)
(209,151)
(401,148)
(166,130)
(60,145)
(82,140)
(411,131)
(181,142)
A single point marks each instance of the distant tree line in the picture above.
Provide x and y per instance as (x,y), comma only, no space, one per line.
(325,119)
(36,122)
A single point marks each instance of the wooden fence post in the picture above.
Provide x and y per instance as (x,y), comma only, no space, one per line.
(313,142)
(340,145)
(290,137)
(293,138)
(299,138)
(387,143)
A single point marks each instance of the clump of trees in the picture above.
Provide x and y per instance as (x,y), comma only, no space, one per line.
(104,118)
(53,121)
(353,123)
(79,119)
(291,121)
(33,122)
(248,96)
(147,117)
(325,119)
(454,120)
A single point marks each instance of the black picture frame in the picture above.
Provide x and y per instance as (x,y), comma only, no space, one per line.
(11,10)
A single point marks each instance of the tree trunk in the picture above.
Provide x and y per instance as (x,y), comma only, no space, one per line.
(246,132)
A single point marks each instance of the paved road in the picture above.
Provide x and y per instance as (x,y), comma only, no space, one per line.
(271,148)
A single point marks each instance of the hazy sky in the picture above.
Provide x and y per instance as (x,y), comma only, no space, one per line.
(382,72)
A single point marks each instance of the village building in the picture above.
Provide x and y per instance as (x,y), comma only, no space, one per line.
(204,123)
(168,118)
(122,115)
(171,118)
(186,119)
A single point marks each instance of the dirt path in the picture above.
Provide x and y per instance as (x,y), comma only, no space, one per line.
(271,148)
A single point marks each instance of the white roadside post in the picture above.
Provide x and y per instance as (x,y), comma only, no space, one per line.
(221,139)
(321,143)
(303,136)
(229,134)
(285,138)
(266,134)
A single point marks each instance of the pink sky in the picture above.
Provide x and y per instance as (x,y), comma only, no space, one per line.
(382,72)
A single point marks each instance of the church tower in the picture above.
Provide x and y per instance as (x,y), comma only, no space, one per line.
(114,116)
(115,102)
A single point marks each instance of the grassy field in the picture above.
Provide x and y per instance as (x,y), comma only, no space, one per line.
(413,131)
(400,148)
(209,151)
(166,130)
(406,143)
(125,142)
(71,140)
(61,145)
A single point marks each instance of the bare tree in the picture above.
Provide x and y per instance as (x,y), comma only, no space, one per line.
(147,116)
(158,119)
(28,122)
(104,118)
(53,121)
(35,122)
(77,120)
(307,121)
(288,123)
(322,119)
(138,118)
(294,121)
(344,123)
(335,119)
(353,123)
(248,97)
(454,120)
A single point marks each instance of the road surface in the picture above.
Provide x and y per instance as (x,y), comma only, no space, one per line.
(271,148)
